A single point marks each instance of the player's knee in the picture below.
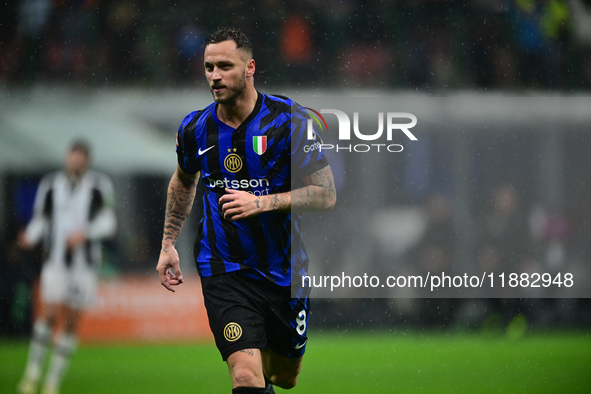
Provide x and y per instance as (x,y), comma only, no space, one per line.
(285,381)
(245,377)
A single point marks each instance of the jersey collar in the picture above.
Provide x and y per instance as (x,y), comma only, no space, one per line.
(249,118)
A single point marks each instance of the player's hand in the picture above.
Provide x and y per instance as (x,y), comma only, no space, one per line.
(169,268)
(239,204)
(75,240)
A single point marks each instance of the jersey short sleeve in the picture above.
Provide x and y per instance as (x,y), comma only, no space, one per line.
(104,186)
(306,155)
(42,209)
(102,219)
(186,144)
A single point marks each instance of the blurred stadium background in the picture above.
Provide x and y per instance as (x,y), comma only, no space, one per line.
(503,183)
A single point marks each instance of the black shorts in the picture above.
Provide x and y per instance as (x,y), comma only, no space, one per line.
(246,312)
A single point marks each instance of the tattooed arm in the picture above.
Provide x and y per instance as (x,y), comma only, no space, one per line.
(181,193)
(318,195)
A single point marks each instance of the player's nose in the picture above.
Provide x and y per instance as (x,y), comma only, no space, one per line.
(216,76)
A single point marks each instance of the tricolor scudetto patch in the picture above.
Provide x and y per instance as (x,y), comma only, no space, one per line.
(259,144)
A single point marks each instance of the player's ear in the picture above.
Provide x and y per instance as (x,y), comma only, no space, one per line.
(250,68)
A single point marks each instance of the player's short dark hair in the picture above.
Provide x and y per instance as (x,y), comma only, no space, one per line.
(231,33)
(80,146)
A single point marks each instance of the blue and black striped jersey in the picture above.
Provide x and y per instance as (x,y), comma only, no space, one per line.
(268,153)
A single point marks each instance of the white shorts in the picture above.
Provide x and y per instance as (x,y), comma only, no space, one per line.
(76,288)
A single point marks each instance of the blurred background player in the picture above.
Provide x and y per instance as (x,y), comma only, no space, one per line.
(246,254)
(73,212)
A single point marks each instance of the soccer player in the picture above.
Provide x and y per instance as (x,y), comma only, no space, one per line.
(248,148)
(73,212)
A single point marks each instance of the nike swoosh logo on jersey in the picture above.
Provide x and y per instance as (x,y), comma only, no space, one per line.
(298,347)
(200,152)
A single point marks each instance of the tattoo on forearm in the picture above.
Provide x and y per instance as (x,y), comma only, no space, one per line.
(257,203)
(319,194)
(178,206)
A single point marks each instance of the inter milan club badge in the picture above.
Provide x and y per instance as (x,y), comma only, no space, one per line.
(232,332)
(259,144)
(233,162)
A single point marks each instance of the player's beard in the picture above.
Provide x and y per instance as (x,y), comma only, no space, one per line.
(231,92)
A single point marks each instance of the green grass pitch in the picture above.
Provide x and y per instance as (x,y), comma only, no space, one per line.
(357,362)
